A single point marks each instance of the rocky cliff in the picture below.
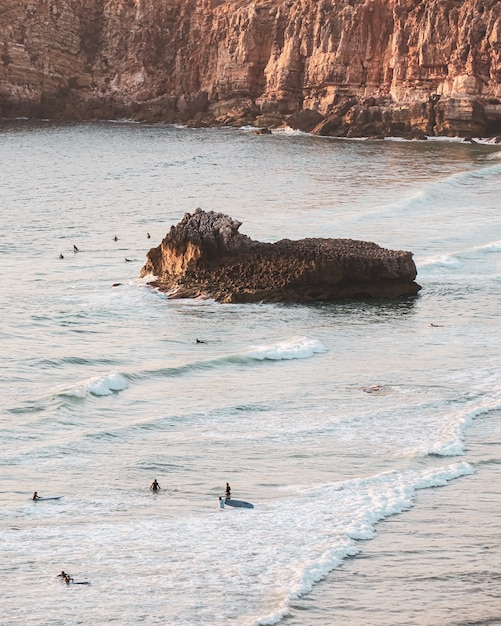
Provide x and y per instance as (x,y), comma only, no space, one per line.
(206,256)
(333,67)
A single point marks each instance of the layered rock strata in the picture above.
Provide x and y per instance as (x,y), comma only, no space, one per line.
(205,255)
(331,67)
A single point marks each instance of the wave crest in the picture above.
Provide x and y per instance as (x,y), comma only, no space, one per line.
(98,386)
(300,348)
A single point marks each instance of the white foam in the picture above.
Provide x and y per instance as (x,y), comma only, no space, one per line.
(448,440)
(106,385)
(97,386)
(451,261)
(493,246)
(359,505)
(276,553)
(442,260)
(292,131)
(147,278)
(299,348)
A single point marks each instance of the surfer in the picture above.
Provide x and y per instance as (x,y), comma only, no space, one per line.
(115,238)
(199,340)
(61,256)
(155,486)
(35,496)
(68,579)
(63,574)
(221,503)
(228,491)
(75,249)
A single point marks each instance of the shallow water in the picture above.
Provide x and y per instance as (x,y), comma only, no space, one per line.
(105,388)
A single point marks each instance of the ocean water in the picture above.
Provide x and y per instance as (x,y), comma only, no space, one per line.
(366,434)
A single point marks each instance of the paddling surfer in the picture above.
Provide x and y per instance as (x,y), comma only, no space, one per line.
(35,496)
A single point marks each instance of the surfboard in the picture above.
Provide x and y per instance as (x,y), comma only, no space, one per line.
(238,503)
(74,582)
(48,498)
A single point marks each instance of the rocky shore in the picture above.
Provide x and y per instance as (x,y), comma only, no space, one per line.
(345,68)
(205,255)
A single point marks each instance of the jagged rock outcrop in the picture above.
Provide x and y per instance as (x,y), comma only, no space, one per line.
(336,67)
(205,255)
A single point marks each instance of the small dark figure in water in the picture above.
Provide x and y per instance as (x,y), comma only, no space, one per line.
(61,256)
(128,260)
(35,496)
(199,341)
(155,486)
(68,579)
(148,235)
(115,238)
(63,574)
(228,491)
(75,249)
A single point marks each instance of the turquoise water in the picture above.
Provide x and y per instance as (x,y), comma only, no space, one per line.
(331,419)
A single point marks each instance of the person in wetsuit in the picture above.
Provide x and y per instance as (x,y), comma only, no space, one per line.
(155,486)
(228,491)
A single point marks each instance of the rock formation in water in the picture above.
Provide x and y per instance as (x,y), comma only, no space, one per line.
(330,67)
(206,256)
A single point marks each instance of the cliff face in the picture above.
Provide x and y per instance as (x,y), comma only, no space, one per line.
(338,67)
(205,255)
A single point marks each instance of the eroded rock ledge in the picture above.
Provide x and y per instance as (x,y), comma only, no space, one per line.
(205,255)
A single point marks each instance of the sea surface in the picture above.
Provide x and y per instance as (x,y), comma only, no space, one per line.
(366,434)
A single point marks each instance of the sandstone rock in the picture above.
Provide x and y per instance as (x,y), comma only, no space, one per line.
(205,255)
(266,62)
(305,120)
